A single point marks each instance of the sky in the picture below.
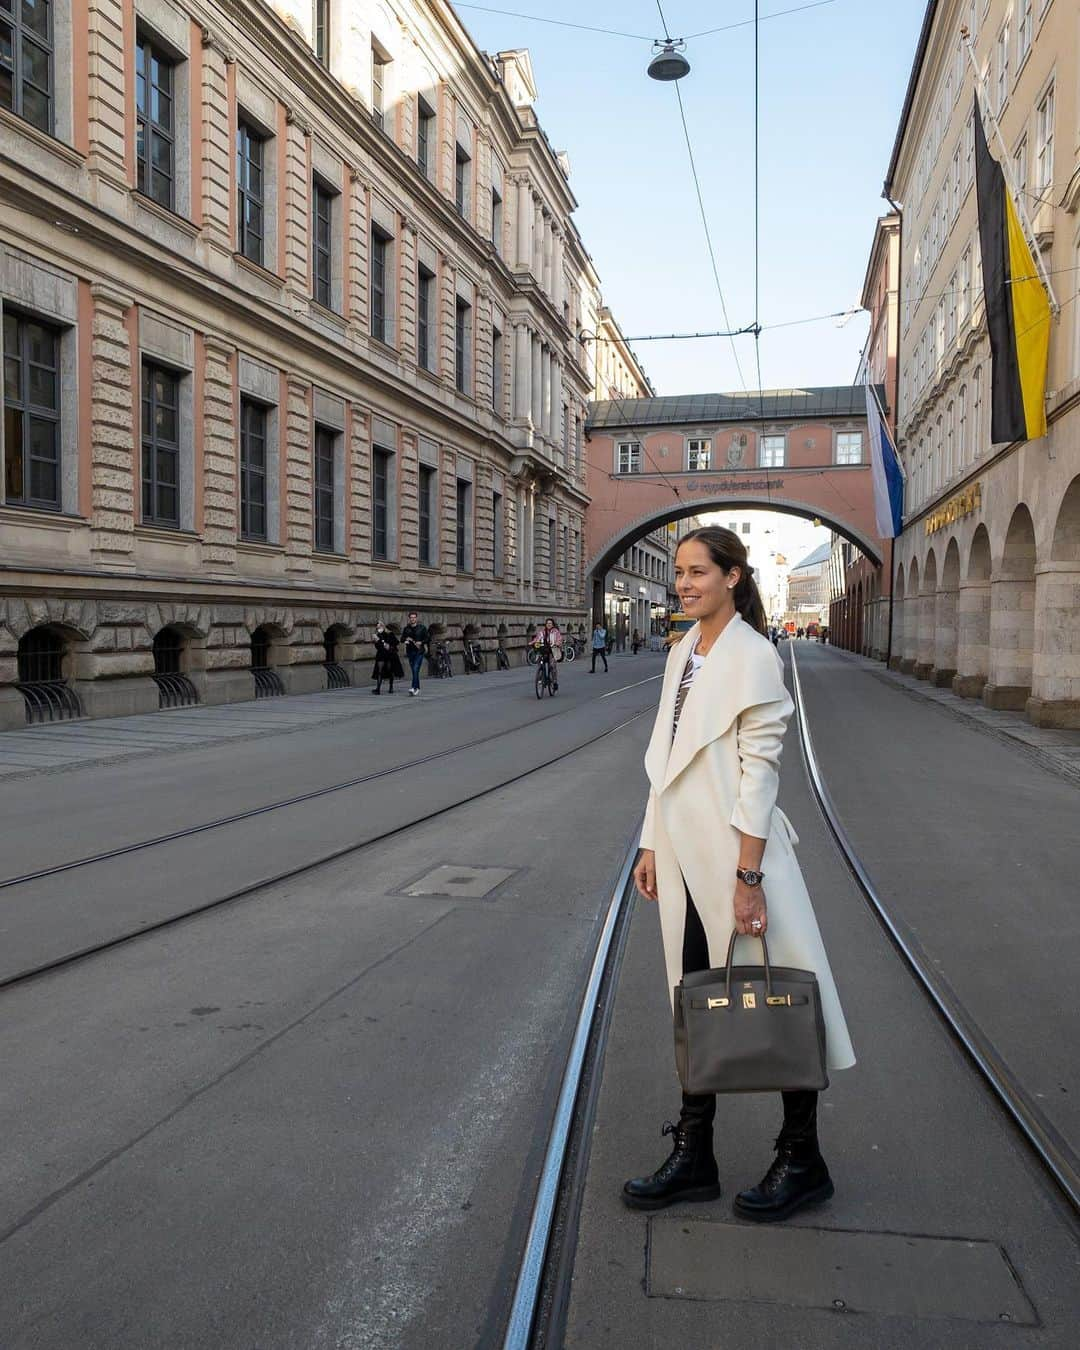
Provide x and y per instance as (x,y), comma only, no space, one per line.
(832,83)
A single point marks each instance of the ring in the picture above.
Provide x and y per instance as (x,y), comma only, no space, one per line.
(756,923)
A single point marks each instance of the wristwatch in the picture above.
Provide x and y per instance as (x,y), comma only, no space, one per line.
(748,876)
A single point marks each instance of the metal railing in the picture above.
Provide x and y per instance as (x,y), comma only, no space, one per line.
(267,682)
(337,677)
(175,690)
(49,701)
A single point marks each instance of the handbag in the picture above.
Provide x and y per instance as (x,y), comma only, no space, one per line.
(749,1028)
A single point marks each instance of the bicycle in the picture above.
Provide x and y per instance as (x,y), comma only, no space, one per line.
(502,658)
(545,675)
(570,649)
(475,661)
(443,667)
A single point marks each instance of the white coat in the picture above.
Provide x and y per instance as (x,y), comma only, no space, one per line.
(719,777)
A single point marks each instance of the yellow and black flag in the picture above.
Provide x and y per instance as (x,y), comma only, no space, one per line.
(1017,307)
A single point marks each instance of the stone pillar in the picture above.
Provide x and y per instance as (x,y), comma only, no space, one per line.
(538,240)
(945,640)
(556,408)
(546,281)
(545,392)
(522,373)
(210,116)
(297,527)
(1012,614)
(924,642)
(558,291)
(111,36)
(537,404)
(523,251)
(973,639)
(295,195)
(114,431)
(1055,684)
(219,432)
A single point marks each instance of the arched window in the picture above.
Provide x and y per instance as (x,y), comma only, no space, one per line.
(961,429)
(175,689)
(267,681)
(40,669)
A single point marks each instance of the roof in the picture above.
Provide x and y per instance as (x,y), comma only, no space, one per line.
(819,555)
(844,400)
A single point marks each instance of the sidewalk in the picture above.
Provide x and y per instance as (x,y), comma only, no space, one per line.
(1056,750)
(62,745)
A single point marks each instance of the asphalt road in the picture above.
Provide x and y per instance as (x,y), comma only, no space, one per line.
(313,1118)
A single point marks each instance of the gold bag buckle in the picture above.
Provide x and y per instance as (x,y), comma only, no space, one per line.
(718,1003)
(749,1000)
(779,1001)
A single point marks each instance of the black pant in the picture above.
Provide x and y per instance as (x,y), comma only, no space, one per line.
(800,1108)
(598,652)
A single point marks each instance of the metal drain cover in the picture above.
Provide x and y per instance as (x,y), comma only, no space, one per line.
(897,1274)
(466,883)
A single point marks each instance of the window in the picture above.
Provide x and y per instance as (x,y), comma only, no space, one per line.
(1020,165)
(950,444)
(1002,67)
(1044,143)
(322,210)
(31,412)
(155,149)
(497,370)
(425,135)
(380,502)
(425,292)
(378,87)
(380,248)
(963,289)
(957,183)
(950,313)
(461,180)
(629,460)
(698,455)
(745,528)
(322,32)
(461,345)
(252,470)
(976,413)
(464,504)
(249,192)
(772,452)
(26,59)
(849,447)
(496,217)
(498,544)
(325,457)
(427,515)
(160,446)
(961,429)
(1023,32)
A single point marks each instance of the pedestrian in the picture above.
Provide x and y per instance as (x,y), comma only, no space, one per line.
(635,641)
(712,833)
(549,635)
(387,662)
(799,632)
(417,640)
(599,647)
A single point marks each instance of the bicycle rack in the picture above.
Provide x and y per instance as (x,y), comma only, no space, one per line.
(49,701)
(337,677)
(175,691)
(267,682)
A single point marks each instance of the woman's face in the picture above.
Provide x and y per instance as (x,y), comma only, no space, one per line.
(701,584)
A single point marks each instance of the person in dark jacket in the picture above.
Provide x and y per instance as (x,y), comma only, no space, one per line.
(387,662)
(416,638)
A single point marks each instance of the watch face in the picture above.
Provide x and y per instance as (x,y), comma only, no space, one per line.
(750,876)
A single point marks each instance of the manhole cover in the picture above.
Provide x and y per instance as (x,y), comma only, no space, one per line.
(466,883)
(895,1274)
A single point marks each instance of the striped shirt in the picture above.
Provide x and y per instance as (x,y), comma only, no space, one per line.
(693,665)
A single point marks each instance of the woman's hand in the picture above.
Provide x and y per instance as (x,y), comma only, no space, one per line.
(750,906)
(645,873)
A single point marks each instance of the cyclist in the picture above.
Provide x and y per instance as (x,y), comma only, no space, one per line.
(548,642)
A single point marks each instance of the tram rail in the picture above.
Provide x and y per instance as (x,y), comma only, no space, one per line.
(40,969)
(536,1318)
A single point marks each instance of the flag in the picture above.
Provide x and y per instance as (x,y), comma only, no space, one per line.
(888,476)
(1017,307)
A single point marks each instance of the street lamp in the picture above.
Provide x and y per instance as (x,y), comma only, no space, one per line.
(668,62)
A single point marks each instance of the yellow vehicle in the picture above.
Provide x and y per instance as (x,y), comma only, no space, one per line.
(678,625)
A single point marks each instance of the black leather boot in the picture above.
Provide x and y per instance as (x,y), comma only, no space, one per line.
(798,1175)
(690,1173)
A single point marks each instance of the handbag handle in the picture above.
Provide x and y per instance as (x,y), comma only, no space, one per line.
(731,957)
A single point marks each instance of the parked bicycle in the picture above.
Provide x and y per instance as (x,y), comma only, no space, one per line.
(443,668)
(502,657)
(475,660)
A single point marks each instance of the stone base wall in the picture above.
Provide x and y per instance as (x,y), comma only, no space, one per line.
(109,659)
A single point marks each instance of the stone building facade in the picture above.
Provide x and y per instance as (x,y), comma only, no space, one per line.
(987,571)
(292,303)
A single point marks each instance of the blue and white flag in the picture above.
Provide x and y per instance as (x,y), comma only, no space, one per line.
(887,472)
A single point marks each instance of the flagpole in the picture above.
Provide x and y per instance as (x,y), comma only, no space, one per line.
(1006,168)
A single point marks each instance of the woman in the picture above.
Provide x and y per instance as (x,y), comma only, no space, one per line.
(550,635)
(712,832)
(387,662)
